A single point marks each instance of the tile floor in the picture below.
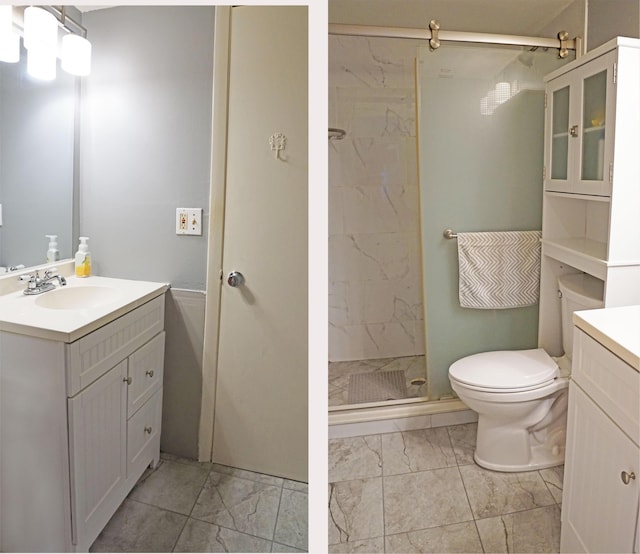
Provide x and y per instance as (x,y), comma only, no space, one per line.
(340,372)
(420,491)
(187,506)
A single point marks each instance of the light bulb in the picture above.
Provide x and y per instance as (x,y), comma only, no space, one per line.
(75,55)
(41,64)
(10,48)
(40,29)
(9,40)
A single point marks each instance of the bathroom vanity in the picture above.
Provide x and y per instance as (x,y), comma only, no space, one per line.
(81,372)
(601,496)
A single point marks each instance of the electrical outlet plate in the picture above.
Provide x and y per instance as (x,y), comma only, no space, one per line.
(188,221)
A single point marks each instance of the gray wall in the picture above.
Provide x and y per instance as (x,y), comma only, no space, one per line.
(145,151)
(611,18)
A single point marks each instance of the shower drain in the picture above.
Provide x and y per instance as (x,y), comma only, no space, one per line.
(418,381)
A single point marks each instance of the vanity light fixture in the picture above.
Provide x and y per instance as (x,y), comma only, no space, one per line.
(40,37)
(9,39)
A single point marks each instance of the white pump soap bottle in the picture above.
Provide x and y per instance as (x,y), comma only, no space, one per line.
(83,259)
(52,253)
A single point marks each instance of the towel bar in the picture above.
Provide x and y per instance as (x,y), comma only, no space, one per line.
(449,234)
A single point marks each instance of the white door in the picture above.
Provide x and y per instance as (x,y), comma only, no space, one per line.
(261,403)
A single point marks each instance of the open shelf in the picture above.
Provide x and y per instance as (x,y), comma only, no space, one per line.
(584,254)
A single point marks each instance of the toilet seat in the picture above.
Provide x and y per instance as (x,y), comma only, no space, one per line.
(505,371)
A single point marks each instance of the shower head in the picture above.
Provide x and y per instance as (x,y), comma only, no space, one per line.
(336,134)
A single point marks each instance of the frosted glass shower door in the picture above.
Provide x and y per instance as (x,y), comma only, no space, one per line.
(480,135)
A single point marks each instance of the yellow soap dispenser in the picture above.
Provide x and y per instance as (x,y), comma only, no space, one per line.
(83,259)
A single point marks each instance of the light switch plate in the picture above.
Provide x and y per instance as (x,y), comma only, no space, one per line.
(188,221)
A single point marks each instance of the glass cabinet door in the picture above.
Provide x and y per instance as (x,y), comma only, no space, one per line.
(560,133)
(593,126)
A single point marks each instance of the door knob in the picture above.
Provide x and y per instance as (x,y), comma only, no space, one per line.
(627,477)
(235,279)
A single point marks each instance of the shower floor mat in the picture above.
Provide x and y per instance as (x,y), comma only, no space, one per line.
(377,386)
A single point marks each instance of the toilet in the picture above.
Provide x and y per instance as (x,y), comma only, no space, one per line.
(521,395)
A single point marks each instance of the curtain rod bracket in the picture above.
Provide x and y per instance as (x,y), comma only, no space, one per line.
(434,41)
(563,37)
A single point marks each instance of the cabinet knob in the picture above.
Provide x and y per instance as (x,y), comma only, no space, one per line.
(573,131)
(148,430)
(128,380)
(149,372)
(627,477)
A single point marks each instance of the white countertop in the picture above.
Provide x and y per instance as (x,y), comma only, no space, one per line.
(21,314)
(617,329)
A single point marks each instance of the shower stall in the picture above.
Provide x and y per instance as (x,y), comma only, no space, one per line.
(433,139)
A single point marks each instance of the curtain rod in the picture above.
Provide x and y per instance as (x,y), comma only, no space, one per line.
(433,34)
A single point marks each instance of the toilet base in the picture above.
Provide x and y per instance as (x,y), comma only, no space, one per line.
(541,458)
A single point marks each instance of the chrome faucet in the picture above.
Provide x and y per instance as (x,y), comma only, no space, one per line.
(36,285)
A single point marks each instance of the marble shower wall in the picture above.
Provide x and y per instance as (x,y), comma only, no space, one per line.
(375,282)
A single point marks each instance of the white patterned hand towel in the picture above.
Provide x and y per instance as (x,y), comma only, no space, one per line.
(499,269)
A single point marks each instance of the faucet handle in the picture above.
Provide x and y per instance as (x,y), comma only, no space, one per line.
(28,277)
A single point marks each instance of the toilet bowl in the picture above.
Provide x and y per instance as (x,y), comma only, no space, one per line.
(521,395)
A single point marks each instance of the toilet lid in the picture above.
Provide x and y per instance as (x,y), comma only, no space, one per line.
(505,369)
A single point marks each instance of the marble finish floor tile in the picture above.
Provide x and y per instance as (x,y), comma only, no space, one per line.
(463,440)
(241,504)
(535,530)
(200,536)
(436,498)
(173,486)
(366,546)
(492,493)
(418,450)
(412,505)
(263,513)
(355,510)
(460,537)
(138,527)
(355,458)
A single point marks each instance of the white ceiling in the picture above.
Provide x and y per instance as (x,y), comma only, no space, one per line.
(511,17)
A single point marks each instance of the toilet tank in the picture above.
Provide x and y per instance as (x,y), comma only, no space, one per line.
(579,292)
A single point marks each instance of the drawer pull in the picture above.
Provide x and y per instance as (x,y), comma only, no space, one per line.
(128,380)
(148,430)
(627,477)
(149,372)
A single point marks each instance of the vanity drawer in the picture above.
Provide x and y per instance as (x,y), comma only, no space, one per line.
(611,383)
(143,436)
(96,353)
(146,367)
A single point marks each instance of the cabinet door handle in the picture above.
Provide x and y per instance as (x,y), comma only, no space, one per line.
(128,380)
(627,477)
(573,131)
(149,372)
(148,430)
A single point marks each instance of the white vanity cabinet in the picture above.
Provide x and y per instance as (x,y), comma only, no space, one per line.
(80,422)
(591,198)
(600,504)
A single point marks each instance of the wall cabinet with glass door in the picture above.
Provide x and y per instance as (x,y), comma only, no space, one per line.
(591,199)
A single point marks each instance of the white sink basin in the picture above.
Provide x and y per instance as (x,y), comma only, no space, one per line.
(77,298)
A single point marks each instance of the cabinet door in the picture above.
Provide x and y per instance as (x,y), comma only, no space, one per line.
(596,124)
(599,511)
(579,129)
(97,436)
(558,134)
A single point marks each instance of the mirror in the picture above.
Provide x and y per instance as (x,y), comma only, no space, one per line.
(37,121)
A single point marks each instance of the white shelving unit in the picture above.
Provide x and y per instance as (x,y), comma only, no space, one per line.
(591,199)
